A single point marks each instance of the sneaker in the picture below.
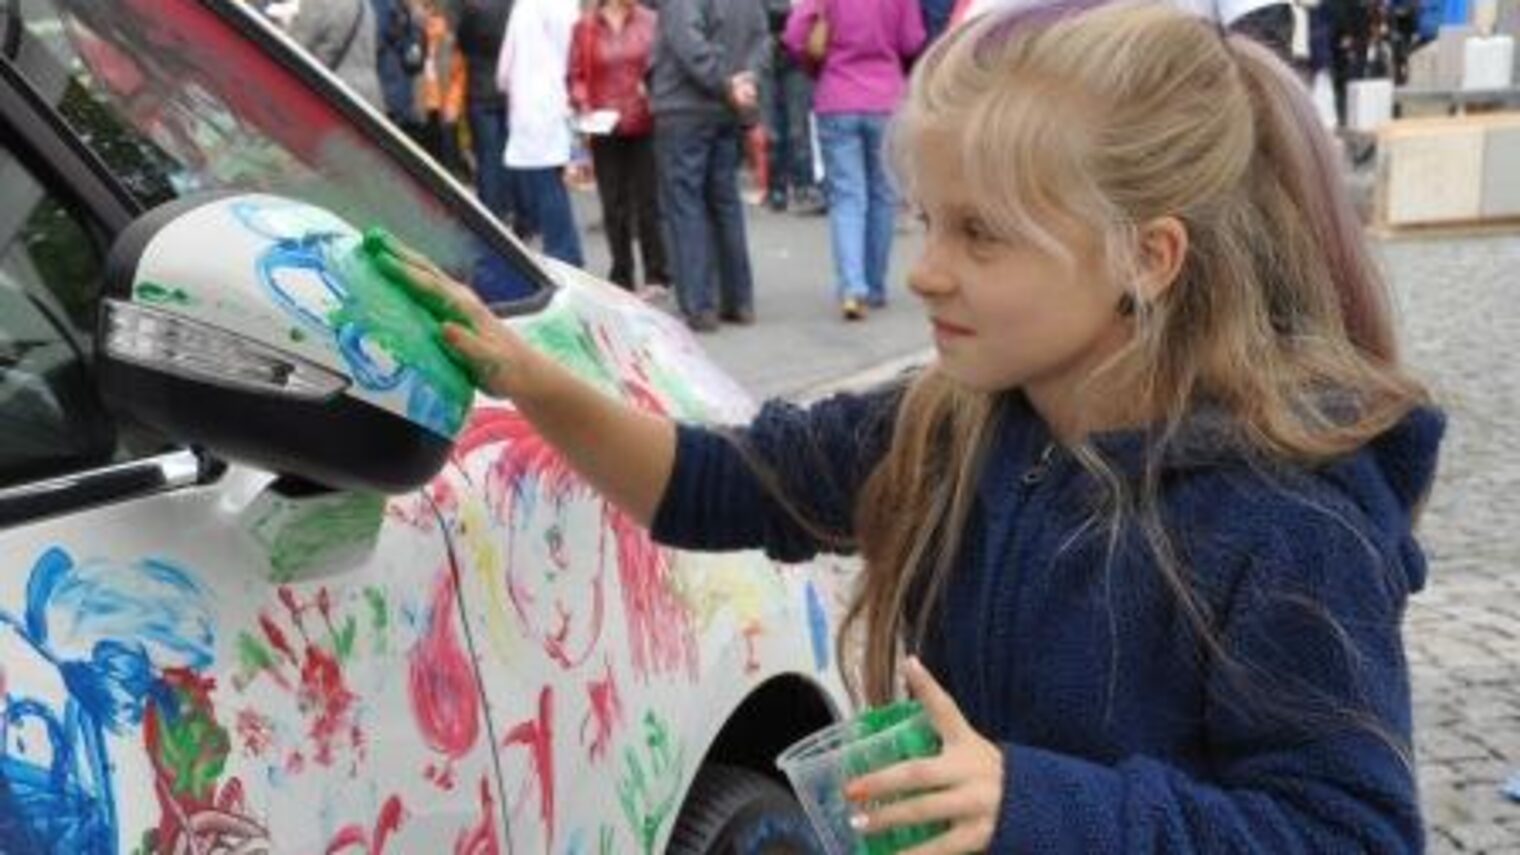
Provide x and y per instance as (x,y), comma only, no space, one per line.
(740,317)
(809,202)
(876,301)
(702,323)
(852,309)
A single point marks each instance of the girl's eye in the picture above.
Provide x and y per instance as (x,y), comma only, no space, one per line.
(977,232)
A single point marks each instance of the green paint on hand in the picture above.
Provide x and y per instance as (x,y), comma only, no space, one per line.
(393,321)
(384,252)
(152,292)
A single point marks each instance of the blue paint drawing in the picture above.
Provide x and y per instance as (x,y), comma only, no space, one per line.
(315,271)
(109,631)
(818,624)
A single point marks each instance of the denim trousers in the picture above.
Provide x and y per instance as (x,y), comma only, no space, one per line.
(788,96)
(488,138)
(546,201)
(862,204)
(698,165)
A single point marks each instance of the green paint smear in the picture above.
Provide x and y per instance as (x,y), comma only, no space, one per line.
(152,292)
(253,656)
(317,527)
(561,334)
(379,616)
(194,748)
(645,810)
(398,324)
(343,642)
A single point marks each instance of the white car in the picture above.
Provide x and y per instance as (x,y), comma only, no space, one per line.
(268,582)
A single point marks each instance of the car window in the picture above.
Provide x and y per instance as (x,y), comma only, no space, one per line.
(50,271)
(175,98)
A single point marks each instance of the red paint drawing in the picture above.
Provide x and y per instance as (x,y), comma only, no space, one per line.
(604,712)
(445,699)
(660,634)
(481,838)
(355,838)
(556,567)
(537,737)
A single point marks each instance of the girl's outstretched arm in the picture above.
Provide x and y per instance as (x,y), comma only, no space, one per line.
(625,453)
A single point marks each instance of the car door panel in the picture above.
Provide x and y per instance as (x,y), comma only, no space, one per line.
(161,690)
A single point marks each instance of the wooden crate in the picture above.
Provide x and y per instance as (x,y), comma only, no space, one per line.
(1454,172)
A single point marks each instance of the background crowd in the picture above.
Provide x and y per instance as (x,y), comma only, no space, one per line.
(669,104)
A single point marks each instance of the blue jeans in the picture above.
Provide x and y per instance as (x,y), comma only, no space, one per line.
(698,165)
(862,205)
(493,183)
(544,199)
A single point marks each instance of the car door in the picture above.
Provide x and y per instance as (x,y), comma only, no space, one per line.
(195,656)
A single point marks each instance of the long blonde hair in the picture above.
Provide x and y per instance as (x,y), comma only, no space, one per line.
(1108,117)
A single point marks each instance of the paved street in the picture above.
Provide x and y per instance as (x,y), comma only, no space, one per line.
(1460,308)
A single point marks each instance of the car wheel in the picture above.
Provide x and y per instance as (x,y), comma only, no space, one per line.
(734,811)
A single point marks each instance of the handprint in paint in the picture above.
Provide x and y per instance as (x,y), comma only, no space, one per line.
(323,698)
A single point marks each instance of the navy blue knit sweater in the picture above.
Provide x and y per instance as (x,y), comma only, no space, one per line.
(1122,731)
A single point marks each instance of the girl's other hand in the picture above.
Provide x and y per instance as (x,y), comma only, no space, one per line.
(497,360)
(962,785)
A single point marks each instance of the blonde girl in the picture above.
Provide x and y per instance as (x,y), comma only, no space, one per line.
(1147,519)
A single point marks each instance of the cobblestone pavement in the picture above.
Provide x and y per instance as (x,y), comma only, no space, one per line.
(1460,306)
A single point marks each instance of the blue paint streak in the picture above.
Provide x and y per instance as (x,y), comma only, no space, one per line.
(818,625)
(108,628)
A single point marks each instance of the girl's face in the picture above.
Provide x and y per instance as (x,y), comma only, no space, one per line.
(1005,313)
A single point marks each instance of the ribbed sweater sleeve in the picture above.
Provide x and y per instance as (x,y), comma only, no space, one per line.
(1307,734)
(786,483)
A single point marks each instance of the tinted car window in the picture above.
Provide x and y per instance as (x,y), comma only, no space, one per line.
(176,99)
(50,265)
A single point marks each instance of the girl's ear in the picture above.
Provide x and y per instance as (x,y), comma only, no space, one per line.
(1163,248)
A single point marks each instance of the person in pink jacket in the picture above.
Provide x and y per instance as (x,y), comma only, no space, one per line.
(861,80)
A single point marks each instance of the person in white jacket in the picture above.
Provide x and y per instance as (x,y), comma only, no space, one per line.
(531,72)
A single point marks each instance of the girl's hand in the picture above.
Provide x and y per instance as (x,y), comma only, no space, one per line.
(497,360)
(963,784)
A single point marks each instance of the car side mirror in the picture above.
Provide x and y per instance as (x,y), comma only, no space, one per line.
(256,326)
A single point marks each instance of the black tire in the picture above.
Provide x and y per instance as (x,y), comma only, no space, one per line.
(735,811)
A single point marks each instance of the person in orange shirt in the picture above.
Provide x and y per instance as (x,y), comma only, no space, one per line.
(442,88)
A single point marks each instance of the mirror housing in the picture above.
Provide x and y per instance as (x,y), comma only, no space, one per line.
(256,326)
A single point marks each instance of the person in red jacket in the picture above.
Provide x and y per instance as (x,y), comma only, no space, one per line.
(609,56)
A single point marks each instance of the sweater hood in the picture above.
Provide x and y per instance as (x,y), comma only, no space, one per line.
(1387,479)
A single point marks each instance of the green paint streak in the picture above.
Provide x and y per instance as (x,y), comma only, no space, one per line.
(152,292)
(312,529)
(193,747)
(379,616)
(253,656)
(343,642)
(650,786)
(297,335)
(397,319)
(562,335)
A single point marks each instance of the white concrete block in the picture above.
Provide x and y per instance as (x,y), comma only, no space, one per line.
(1369,103)
(1450,46)
(1501,172)
(1488,63)
(1434,177)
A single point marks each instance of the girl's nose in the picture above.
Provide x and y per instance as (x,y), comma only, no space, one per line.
(929,277)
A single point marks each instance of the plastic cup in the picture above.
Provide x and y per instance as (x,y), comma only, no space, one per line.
(820,764)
